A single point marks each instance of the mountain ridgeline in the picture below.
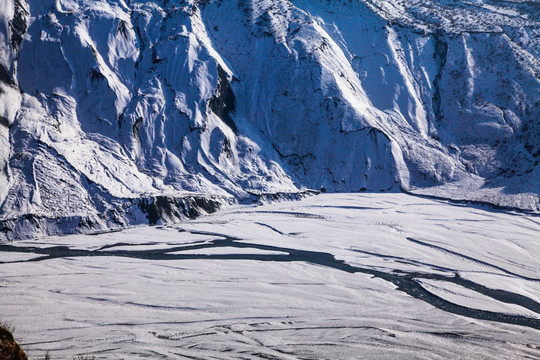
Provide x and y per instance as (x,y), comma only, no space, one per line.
(119,112)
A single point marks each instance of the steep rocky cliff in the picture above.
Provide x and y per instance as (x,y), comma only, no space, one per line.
(111,108)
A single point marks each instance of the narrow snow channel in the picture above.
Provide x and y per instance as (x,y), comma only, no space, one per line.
(335,276)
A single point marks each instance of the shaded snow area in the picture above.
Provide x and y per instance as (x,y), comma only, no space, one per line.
(113,112)
(335,276)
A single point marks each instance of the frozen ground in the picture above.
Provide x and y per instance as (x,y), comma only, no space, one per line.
(336,276)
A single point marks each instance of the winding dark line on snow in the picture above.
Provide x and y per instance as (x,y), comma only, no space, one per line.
(302,215)
(477,204)
(500,295)
(404,260)
(345,207)
(272,228)
(451,252)
(405,282)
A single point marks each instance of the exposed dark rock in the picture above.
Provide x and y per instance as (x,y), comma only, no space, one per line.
(136,129)
(167,208)
(259,197)
(9,349)
(123,29)
(5,77)
(223,103)
(5,122)
(126,212)
(441,50)
(18,24)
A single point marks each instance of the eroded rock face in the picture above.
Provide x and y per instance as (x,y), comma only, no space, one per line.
(103,102)
(9,349)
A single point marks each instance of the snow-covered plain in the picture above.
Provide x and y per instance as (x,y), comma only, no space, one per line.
(335,276)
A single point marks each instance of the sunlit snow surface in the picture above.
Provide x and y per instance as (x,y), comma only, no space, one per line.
(337,276)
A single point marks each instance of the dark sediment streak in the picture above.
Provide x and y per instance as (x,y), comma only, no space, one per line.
(440,248)
(404,281)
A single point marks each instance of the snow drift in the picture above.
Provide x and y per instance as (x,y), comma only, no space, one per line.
(122,112)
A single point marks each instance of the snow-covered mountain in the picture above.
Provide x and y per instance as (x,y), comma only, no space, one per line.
(119,112)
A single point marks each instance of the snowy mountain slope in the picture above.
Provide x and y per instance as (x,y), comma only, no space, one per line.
(105,105)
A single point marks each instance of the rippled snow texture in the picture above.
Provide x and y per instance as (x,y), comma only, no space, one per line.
(331,277)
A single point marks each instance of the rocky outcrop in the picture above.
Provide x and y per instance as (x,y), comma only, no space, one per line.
(9,349)
(119,213)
